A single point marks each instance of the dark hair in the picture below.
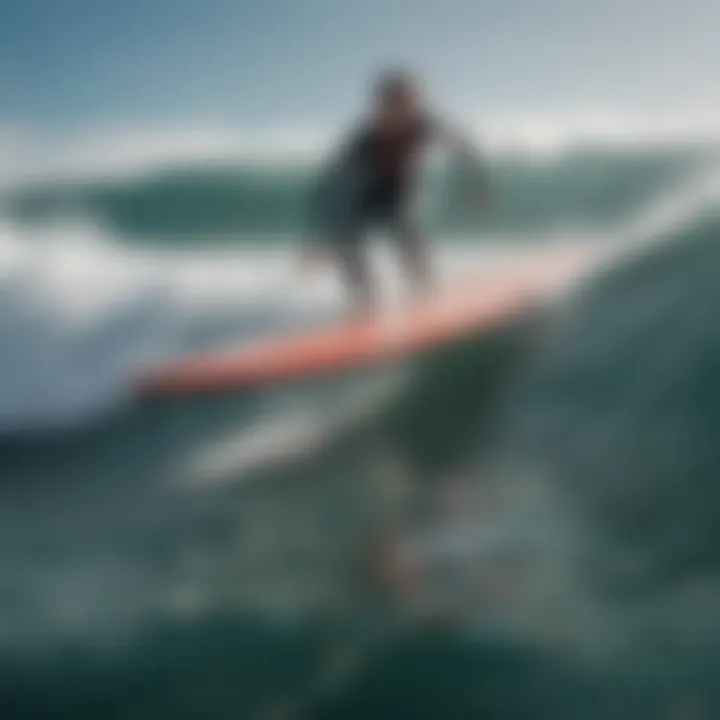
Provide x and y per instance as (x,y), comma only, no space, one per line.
(391,84)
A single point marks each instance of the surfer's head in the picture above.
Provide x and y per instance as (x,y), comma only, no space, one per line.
(397,98)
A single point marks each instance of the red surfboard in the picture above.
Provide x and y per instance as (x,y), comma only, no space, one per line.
(448,318)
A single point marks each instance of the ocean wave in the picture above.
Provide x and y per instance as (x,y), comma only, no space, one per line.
(82,309)
(593,168)
(130,150)
(616,416)
(588,186)
(589,541)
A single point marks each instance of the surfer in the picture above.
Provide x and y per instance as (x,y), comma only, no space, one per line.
(373,181)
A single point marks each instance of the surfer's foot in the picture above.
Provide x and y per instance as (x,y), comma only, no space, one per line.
(421,292)
(362,312)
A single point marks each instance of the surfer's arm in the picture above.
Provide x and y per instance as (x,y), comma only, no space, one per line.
(468,155)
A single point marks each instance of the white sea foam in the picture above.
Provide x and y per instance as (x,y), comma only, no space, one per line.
(80,313)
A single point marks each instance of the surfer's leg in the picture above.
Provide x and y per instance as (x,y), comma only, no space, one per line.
(355,269)
(413,253)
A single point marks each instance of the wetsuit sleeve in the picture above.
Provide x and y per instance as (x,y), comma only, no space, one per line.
(463,148)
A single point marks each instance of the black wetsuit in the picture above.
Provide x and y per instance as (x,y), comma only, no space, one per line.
(389,162)
(386,165)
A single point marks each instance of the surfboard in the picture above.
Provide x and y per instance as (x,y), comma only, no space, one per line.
(476,309)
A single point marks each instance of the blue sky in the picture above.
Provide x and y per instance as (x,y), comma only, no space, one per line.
(80,62)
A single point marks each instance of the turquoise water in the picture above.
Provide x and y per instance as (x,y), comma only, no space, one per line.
(520,527)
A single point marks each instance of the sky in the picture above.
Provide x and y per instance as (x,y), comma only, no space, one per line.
(79,63)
